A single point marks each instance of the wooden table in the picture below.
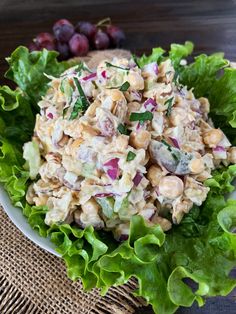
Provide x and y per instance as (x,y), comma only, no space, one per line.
(211,25)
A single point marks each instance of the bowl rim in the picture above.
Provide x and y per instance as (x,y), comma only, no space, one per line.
(15,214)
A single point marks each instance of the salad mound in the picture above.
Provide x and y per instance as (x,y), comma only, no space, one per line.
(127,168)
(118,141)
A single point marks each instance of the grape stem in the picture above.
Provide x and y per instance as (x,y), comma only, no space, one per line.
(104,22)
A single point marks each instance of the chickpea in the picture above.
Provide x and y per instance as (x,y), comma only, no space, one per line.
(134,106)
(203,176)
(30,195)
(184,206)
(88,130)
(205,106)
(91,111)
(196,165)
(40,201)
(171,187)
(77,143)
(232,155)
(147,158)
(90,216)
(91,206)
(212,137)
(154,175)
(179,102)
(116,95)
(178,115)
(136,81)
(163,222)
(140,139)
(122,142)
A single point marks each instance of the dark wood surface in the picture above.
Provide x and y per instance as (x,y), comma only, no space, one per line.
(147,23)
(211,25)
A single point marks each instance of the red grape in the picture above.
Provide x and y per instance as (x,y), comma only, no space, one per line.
(63,30)
(41,38)
(101,40)
(79,45)
(48,45)
(45,40)
(87,29)
(64,50)
(116,35)
(33,47)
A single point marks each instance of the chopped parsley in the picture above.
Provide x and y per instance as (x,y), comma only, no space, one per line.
(81,103)
(122,129)
(62,89)
(169,103)
(176,77)
(135,58)
(130,156)
(141,116)
(170,149)
(108,64)
(165,143)
(82,67)
(64,112)
(124,86)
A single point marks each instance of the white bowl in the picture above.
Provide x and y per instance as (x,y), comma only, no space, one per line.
(17,217)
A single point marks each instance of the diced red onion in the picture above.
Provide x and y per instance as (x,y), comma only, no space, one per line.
(137,179)
(150,104)
(89,77)
(112,162)
(219,149)
(219,152)
(50,115)
(157,191)
(132,64)
(106,126)
(155,68)
(100,195)
(104,74)
(192,125)
(151,68)
(146,194)
(112,168)
(113,173)
(135,95)
(175,142)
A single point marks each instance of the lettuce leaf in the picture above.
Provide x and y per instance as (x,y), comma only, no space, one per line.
(28,69)
(223,98)
(221,181)
(176,54)
(156,56)
(202,73)
(16,116)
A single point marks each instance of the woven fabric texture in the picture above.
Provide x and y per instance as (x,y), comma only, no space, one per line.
(34,281)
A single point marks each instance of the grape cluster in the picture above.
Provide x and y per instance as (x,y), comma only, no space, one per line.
(76,41)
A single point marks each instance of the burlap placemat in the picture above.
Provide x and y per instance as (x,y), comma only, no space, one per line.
(34,281)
